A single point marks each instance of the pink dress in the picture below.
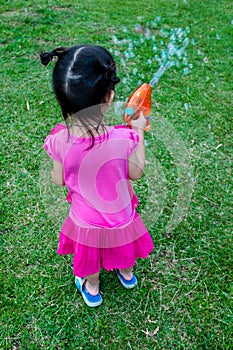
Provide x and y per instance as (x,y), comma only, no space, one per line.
(103,228)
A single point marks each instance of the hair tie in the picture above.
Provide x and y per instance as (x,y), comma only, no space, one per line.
(115,79)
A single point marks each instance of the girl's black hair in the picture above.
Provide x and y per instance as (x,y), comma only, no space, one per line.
(82,78)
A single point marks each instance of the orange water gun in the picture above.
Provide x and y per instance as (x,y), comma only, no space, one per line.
(139,101)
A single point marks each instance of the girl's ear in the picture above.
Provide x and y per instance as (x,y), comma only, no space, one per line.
(107,101)
(112,94)
(110,97)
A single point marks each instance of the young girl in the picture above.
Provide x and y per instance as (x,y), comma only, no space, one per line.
(95,162)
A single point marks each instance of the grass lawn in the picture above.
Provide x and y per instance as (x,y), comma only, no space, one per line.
(184,296)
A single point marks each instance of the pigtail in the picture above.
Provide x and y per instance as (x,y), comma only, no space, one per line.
(108,74)
(47,57)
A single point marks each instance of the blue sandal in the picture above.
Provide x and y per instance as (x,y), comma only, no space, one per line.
(90,300)
(125,283)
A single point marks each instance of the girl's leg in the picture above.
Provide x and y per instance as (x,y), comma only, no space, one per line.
(92,284)
(127,273)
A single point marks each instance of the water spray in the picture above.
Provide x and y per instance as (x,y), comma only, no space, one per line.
(140,100)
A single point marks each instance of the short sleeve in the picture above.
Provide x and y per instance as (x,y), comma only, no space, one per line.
(133,141)
(131,136)
(51,143)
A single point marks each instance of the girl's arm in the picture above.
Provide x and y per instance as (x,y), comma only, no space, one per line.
(57,173)
(137,159)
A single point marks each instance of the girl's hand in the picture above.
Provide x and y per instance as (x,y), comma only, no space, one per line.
(139,124)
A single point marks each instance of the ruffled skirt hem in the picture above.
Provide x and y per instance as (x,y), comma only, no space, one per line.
(108,248)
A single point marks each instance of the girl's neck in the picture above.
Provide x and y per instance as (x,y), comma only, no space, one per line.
(80,131)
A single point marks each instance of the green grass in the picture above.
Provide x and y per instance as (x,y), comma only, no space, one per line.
(184,297)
